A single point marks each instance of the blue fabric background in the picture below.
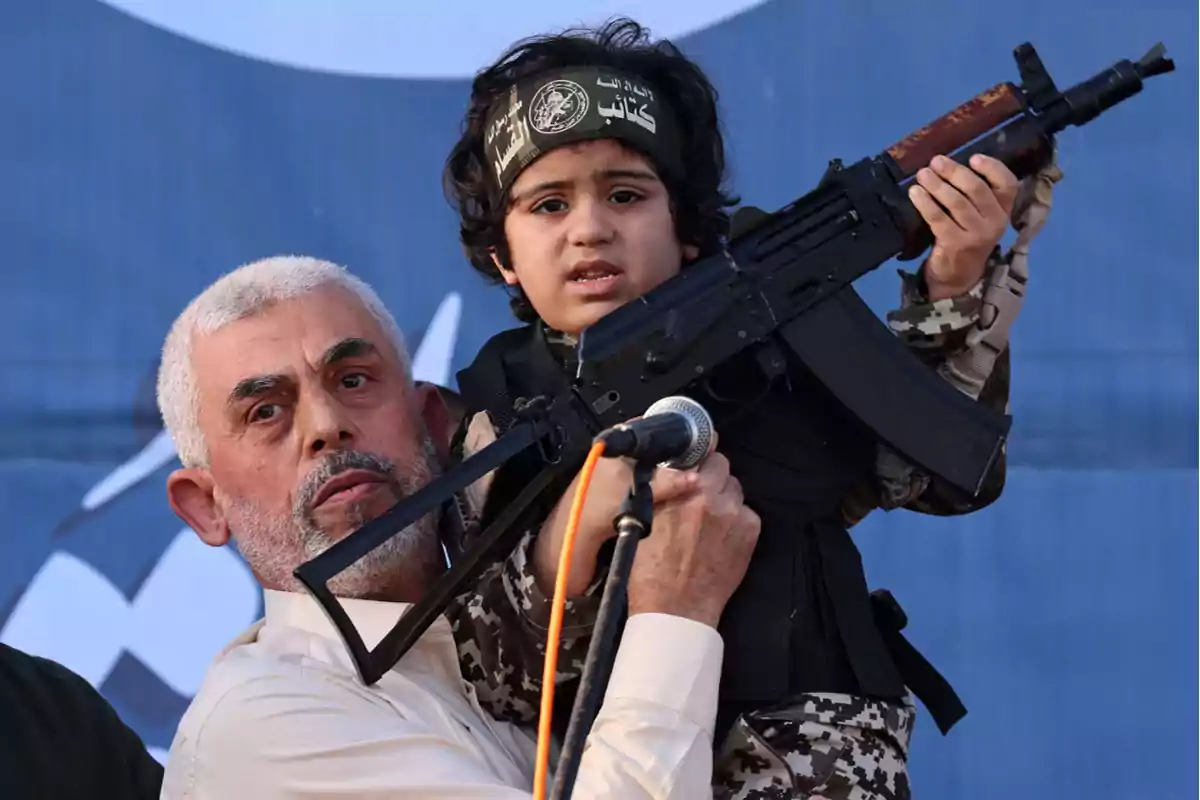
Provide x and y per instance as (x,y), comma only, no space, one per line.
(137,166)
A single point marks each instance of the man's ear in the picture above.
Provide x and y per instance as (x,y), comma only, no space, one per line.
(510,277)
(441,411)
(190,493)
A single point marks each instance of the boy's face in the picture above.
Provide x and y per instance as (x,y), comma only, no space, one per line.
(589,228)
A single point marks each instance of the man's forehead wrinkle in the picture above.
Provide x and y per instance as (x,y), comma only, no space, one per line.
(218,363)
(285,338)
(277,373)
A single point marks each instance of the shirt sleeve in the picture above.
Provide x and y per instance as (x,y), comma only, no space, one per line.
(653,736)
(302,735)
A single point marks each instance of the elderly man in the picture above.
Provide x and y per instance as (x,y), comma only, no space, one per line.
(285,387)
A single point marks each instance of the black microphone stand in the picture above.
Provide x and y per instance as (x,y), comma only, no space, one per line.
(633,524)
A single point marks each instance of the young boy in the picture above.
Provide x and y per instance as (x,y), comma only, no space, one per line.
(590,171)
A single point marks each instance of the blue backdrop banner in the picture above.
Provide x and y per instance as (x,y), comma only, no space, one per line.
(142,156)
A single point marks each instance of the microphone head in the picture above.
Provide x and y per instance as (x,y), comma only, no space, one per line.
(698,420)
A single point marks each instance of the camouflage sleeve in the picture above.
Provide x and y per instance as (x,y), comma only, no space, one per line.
(965,339)
(500,627)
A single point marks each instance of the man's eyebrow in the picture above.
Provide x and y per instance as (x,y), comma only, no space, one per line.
(255,386)
(348,348)
(258,385)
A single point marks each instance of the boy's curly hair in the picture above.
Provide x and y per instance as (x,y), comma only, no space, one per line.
(698,201)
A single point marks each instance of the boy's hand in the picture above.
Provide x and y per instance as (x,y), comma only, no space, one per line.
(967,209)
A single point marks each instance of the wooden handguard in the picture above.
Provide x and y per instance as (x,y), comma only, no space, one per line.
(961,126)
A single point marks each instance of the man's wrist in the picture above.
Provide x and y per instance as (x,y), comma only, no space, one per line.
(705,613)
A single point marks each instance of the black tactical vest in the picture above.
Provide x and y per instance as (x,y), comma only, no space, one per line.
(802,619)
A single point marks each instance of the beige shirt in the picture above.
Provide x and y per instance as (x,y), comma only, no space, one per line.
(283,714)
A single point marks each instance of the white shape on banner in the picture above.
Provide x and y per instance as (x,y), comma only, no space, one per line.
(385,38)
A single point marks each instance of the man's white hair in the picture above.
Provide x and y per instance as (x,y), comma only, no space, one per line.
(248,290)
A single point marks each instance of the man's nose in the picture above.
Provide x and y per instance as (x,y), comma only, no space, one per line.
(329,425)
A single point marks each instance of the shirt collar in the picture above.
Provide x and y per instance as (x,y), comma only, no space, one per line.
(555,337)
(371,618)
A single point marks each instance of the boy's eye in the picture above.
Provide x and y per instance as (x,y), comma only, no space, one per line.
(551,205)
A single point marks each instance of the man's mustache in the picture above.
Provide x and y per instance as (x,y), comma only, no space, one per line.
(336,463)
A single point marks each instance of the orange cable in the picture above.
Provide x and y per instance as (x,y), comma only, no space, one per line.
(550,668)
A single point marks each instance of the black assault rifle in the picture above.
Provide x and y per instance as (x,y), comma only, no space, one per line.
(784,287)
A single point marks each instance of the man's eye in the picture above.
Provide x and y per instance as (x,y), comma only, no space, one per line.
(264,412)
(354,380)
(550,206)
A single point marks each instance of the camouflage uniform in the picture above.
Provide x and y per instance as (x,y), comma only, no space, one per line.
(823,745)
(500,624)
(500,627)
(819,745)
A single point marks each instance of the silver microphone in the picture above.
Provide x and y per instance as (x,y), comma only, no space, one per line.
(699,441)
(674,432)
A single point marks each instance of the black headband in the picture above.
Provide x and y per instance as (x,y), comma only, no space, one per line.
(573,105)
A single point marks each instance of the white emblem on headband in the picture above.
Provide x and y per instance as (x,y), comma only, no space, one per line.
(557,106)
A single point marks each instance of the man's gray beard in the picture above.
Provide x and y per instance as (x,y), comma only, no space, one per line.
(274,545)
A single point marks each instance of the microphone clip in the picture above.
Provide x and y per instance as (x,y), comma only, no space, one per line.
(637,511)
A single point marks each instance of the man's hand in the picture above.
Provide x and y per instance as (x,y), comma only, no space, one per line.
(979,209)
(698,549)
(611,482)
